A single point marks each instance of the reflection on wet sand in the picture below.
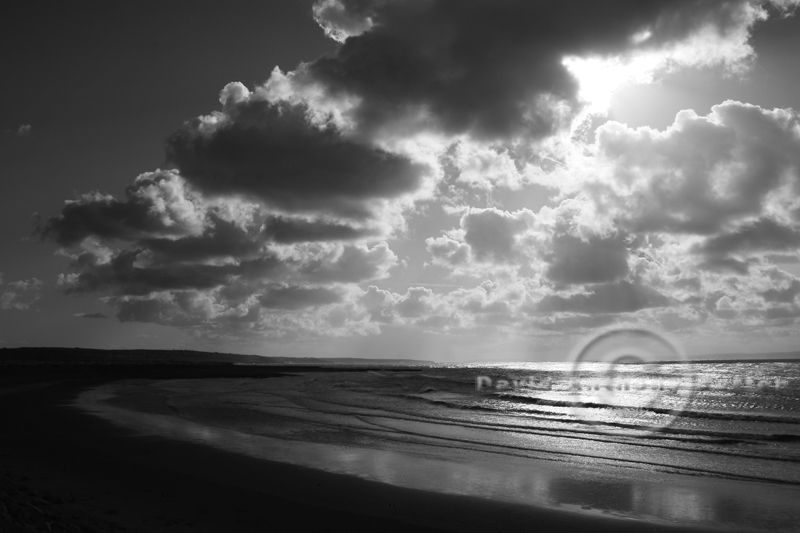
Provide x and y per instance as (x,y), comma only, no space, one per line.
(654,496)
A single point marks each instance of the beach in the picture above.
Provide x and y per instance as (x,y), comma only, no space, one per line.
(91,473)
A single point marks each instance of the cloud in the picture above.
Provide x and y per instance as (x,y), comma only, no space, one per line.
(24,130)
(338,22)
(596,260)
(486,238)
(291,230)
(128,272)
(564,245)
(495,71)
(350,264)
(167,253)
(447,251)
(276,214)
(21,295)
(415,302)
(515,308)
(90,315)
(274,153)
(491,233)
(576,253)
(701,175)
(282,313)
(298,297)
(157,205)
(786,294)
(730,250)
(620,297)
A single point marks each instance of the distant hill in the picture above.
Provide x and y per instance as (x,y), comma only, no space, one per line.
(180,357)
(89,355)
(745,357)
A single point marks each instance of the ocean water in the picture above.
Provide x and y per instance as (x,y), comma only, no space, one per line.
(715,444)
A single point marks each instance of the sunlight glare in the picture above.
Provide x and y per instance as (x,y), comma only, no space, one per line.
(600,77)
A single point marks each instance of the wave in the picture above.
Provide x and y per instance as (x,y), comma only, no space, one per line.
(685,413)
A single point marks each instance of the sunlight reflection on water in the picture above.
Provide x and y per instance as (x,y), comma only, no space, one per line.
(663,497)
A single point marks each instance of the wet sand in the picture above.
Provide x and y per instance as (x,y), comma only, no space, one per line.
(82,473)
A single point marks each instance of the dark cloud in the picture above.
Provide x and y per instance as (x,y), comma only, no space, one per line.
(90,315)
(782,259)
(675,321)
(619,297)
(491,234)
(165,240)
(155,205)
(573,321)
(21,295)
(414,303)
(448,251)
(121,275)
(730,264)
(704,173)
(597,259)
(353,265)
(287,230)
(489,69)
(222,238)
(278,201)
(186,309)
(783,313)
(298,297)
(273,153)
(140,310)
(172,310)
(692,284)
(762,235)
(127,273)
(783,295)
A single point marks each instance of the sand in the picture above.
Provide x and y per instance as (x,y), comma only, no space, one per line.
(64,470)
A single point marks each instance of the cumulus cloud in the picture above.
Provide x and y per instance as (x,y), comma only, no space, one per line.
(276,214)
(169,254)
(712,194)
(24,130)
(563,244)
(298,297)
(730,250)
(349,264)
(157,205)
(338,21)
(291,230)
(576,268)
(127,272)
(275,153)
(21,295)
(701,175)
(491,233)
(495,71)
(90,315)
(621,297)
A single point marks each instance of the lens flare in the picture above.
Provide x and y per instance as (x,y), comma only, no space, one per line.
(633,374)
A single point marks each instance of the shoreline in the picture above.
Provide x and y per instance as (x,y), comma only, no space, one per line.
(155,484)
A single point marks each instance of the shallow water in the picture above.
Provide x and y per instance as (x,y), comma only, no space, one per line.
(729,456)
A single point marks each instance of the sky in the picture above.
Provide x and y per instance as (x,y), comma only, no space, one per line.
(437,179)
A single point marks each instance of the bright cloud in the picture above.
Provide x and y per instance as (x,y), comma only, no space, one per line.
(288,212)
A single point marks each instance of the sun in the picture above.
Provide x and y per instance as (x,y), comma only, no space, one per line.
(600,77)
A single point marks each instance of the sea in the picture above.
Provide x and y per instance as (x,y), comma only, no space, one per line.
(714,444)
